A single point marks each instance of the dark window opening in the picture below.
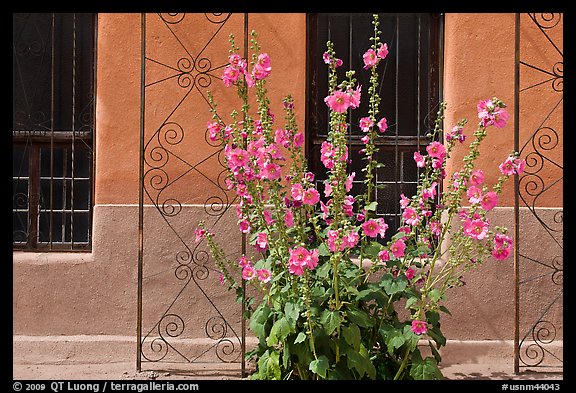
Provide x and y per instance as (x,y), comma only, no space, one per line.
(52,132)
(409,91)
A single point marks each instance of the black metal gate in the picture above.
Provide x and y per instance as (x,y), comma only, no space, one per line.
(184,315)
(539,269)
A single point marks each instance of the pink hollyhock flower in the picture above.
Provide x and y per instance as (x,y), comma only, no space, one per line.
(268,217)
(282,137)
(503,241)
(477,229)
(327,189)
(383,227)
(213,131)
(429,192)
(519,165)
(312,260)
(264,275)
(371,228)
(311,196)
(298,139)
(474,194)
(410,216)
(262,241)
(328,60)
(383,124)
(354,97)
(325,211)
(200,234)
(237,158)
(366,123)
(243,261)
(491,114)
(270,171)
(349,181)
(404,202)
(297,260)
(289,218)
(410,272)
(476,178)
(397,248)
(248,273)
(420,160)
(383,51)
(456,133)
(348,205)
(351,239)
(435,228)
(338,101)
(489,200)
(507,167)
(436,150)
(500,253)
(332,238)
(370,59)
(419,327)
(297,192)
(230,75)
(365,139)
(263,61)
(384,255)
(221,278)
(255,147)
(244,226)
(296,270)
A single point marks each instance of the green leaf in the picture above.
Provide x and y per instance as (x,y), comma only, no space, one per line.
(435,352)
(372,249)
(300,338)
(292,312)
(259,319)
(444,309)
(323,250)
(435,295)
(330,320)
(279,331)
(371,206)
(393,285)
(269,365)
(424,369)
(373,292)
(319,366)
(360,361)
(359,318)
(411,301)
(352,336)
(411,338)
(323,270)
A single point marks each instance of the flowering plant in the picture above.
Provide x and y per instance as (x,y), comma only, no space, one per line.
(329,286)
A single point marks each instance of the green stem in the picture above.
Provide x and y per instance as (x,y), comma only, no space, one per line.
(403,365)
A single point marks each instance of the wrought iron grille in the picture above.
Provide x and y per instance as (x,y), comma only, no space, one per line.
(182,182)
(539,272)
(53,124)
(409,88)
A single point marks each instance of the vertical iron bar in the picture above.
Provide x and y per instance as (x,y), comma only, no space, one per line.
(243,246)
(516,194)
(52,99)
(73,132)
(140,190)
(397,114)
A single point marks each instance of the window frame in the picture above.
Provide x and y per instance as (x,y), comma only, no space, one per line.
(56,134)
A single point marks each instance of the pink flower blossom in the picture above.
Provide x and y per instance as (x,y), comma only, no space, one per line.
(311,196)
(383,227)
(474,194)
(289,218)
(354,97)
(397,248)
(213,131)
(349,181)
(477,228)
(248,273)
(384,255)
(230,75)
(436,150)
(270,171)
(404,202)
(297,260)
(244,226)
(366,123)
(383,124)
(200,234)
(420,160)
(419,327)
(383,51)
(237,158)
(371,228)
(348,205)
(476,178)
(268,217)
(435,228)
(264,275)
(410,272)
(500,253)
(350,240)
(489,200)
(262,241)
(297,191)
(338,101)
(490,113)
(332,237)
(298,139)
(244,261)
(370,59)
(410,216)
(312,260)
